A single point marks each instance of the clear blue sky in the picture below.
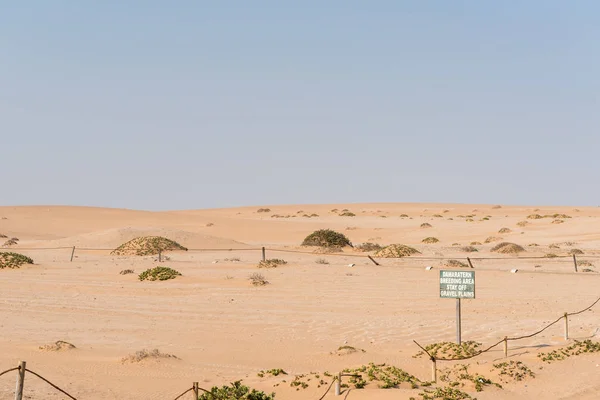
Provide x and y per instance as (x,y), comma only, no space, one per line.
(193,104)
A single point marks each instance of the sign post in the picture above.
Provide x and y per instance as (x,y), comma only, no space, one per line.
(457,285)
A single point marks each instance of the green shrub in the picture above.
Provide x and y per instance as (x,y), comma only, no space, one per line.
(326,238)
(235,391)
(159,274)
(13,260)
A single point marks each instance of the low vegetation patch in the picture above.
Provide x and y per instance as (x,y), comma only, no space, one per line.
(522,224)
(426,225)
(451,349)
(558,221)
(577,348)
(263,210)
(345,350)
(507,248)
(147,246)
(368,246)
(2,236)
(321,261)
(59,345)
(475,243)
(326,238)
(258,279)
(575,252)
(584,263)
(459,376)
(513,371)
(144,355)
(159,274)
(271,263)
(11,242)
(505,230)
(13,260)
(385,376)
(551,255)
(533,245)
(534,216)
(347,214)
(456,264)
(271,372)
(444,393)
(469,249)
(396,251)
(430,240)
(127,272)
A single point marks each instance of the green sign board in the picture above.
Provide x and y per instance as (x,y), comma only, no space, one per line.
(457,284)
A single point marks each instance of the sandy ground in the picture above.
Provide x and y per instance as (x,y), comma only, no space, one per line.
(222,328)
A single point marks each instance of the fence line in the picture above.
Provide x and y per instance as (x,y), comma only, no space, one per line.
(195,389)
(506,339)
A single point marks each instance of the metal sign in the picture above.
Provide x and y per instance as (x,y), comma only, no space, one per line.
(457,284)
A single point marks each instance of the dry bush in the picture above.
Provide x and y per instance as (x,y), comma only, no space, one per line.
(557,216)
(144,355)
(271,263)
(507,248)
(3,236)
(426,225)
(328,250)
(522,224)
(263,210)
(396,251)
(11,242)
(368,246)
(558,221)
(13,260)
(455,244)
(534,216)
(468,249)
(147,246)
(575,252)
(437,216)
(554,246)
(326,238)
(127,272)
(456,264)
(505,230)
(584,263)
(59,345)
(321,261)
(258,279)
(491,239)
(209,225)
(469,220)
(496,207)
(550,255)
(475,243)
(430,240)
(403,215)
(533,245)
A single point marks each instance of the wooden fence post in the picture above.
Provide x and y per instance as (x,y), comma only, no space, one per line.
(72,253)
(566,326)
(20,381)
(470,263)
(264,254)
(195,390)
(338,385)
(575,261)
(505,346)
(372,259)
(433,370)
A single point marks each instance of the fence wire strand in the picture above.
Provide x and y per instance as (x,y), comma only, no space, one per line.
(51,384)
(9,370)
(184,393)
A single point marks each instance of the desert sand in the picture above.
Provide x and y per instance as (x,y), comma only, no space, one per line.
(221,328)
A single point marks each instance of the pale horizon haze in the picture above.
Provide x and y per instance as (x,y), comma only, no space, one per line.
(161,105)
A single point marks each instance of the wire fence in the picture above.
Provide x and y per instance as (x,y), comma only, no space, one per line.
(573,261)
(505,340)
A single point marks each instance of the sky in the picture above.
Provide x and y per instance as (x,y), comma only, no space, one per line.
(164,105)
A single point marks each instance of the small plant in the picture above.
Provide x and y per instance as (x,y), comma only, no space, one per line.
(505,230)
(534,216)
(438,216)
(387,376)
(368,246)
(550,255)
(403,215)
(430,240)
(127,272)
(258,279)
(475,243)
(159,274)
(584,263)
(469,249)
(456,264)
(235,391)
(10,242)
(558,221)
(491,239)
(347,214)
(59,345)
(451,349)
(232,259)
(496,207)
(575,252)
(577,348)
(533,245)
(522,224)
(142,355)
(263,210)
(272,372)
(513,371)
(444,393)
(13,260)
(425,225)
(271,263)
(326,238)
(321,261)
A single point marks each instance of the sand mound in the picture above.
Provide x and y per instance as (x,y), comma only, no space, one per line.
(13,260)
(326,238)
(507,248)
(59,345)
(147,246)
(347,350)
(396,251)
